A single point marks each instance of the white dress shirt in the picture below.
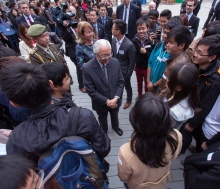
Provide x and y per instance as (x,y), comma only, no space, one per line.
(118,43)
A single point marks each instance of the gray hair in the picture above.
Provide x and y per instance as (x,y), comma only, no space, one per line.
(99,44)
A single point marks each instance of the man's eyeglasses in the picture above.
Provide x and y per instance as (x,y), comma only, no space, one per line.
(105,56)
(200,53)
(40,173)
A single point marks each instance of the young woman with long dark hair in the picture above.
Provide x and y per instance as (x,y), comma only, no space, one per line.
(144,161)
(182,97)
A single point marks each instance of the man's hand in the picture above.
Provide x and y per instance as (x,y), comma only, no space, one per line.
(112,103)
(6,132)
(150,87)
(65,23)
(188,128)
(204,146)
(143,50)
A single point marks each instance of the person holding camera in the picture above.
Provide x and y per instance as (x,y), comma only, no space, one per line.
(69,36)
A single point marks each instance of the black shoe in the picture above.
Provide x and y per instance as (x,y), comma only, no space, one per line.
(119,131)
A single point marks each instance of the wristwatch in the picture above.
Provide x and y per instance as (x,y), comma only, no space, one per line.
(117,97)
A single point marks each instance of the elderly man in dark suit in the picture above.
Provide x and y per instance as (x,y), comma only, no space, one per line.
(130,13)
(193,20)
(214,13)
(26,16)
(104,83)
(99,29)
(106,21)
(124,50)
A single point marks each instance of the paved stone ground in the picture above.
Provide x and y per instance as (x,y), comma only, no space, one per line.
(83,100)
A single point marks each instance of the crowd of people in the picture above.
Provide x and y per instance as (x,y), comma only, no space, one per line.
(178,85)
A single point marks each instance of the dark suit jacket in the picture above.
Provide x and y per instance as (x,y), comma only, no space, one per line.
(134,15)
(125,55)
(39,56)
(96,85)
(194,23)
(214,14)
(101,31)
(108,27)
(21,19)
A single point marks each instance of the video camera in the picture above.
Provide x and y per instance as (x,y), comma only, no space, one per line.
(67,16)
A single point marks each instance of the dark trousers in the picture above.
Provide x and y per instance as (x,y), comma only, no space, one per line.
(103,118)
(197,134)
(78,73)
(141,78)
(128,88)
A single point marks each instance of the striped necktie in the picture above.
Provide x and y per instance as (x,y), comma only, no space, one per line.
(104,70)
(125,15)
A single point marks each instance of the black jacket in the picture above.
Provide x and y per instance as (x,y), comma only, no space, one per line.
(202,170)
(214,13)
(142,59)
(108,27)
(194,24)
(209,90)
(46,127)
(134,15)
(70,42)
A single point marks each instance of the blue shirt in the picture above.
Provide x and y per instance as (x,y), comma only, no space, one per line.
(157,62)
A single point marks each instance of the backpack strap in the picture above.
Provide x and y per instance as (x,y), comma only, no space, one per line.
(73,120)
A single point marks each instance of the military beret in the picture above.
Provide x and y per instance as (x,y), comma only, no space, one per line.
(36,30)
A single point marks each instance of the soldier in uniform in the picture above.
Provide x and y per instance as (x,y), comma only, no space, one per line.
(44,51)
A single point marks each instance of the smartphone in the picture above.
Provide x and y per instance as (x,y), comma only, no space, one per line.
(158,33)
